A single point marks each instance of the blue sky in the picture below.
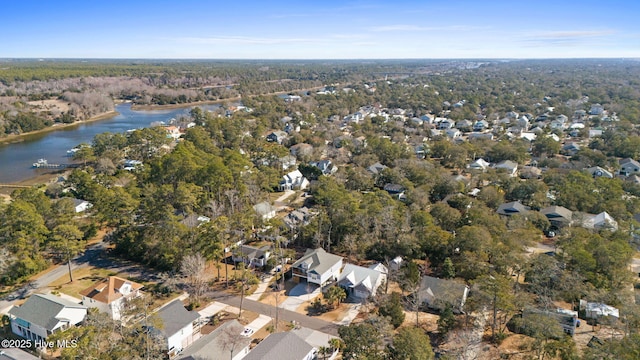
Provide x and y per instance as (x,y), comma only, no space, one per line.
(319,29)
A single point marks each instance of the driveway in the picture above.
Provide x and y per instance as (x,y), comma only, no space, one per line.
(259,323)
(299,295)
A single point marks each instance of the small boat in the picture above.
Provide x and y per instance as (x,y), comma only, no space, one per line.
(72,151)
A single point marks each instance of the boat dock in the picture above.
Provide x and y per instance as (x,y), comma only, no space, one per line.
(44,164)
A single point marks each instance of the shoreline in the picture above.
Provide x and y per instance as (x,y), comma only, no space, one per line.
(10,139)
(152,107)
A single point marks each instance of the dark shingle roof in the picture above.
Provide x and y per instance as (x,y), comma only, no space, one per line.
(175,317)
(511,208)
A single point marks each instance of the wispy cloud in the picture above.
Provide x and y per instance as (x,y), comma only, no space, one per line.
(404,27)
(565,38)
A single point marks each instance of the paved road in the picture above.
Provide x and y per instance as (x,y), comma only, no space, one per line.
(283,314)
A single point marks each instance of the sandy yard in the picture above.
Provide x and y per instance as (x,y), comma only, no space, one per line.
(50,105)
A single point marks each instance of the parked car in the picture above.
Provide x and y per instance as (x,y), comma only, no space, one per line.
(247,332)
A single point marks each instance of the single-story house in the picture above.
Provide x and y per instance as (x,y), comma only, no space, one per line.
(479,165)
(376,168)
(511,167)
(361,282)
(215,345)
(512,208)
(317,267)
(571,148)
(252,255)
(283,346)
(177,326)
(480,125)
(597,310)
(437,293)
(42,315)
(109,295)
(597,171)
(558,216)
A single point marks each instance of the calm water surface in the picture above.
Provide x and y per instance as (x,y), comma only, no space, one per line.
(16,159)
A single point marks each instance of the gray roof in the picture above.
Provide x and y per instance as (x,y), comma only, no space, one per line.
(318,260)
(511,208)
(376,168)
(629,161)
(434,289)
(507,164)
(42,310)
(251,252)
(280,346)
(175,317)
(557,213)
(359,277)
(211,346)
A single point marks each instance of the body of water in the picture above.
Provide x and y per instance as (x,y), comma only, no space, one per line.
(16,159)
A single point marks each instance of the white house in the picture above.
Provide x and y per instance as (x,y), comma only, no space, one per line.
(43,315)
(110,294)
(81,205)
(293,180)
(252,255)
(480,165)
(361,282)
(326,166)
(317,267)
(511,167)
(177,326)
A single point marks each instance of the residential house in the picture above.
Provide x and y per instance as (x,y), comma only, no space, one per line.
(629,167)
(511,167)
(395,190)
(316,339)
(265,210)
(283,346)
(376,168)
(453,133)
(567,320)
(464,125)
(110,294)
(594,133)
(571,148)
(480,125)
(361,282)
(602,221)
(596,109)
(326,166)
(215,345)
(289,128)
(417,121)
(530,172)
(558,216)
(479,165)
(81,205)
(293,181)
(557,125)
(529,136)
(288,161)
(480,136)
(317,267)
(177,326)
(523,123)
(252,256)
(597,171)
(427,118)
(445,124)
(173,132)
(277,136)
(42,315)
(512,208)
(297,217)
(438,293)
(595,310)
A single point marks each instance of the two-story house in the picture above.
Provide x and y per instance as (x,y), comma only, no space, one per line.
(109,295)
(317,267)
(251,255)
(177,326)
(42,315)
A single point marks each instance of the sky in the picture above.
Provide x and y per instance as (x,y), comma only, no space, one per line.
(399,29)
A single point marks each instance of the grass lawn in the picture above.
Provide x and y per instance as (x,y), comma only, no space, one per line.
(82,279)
